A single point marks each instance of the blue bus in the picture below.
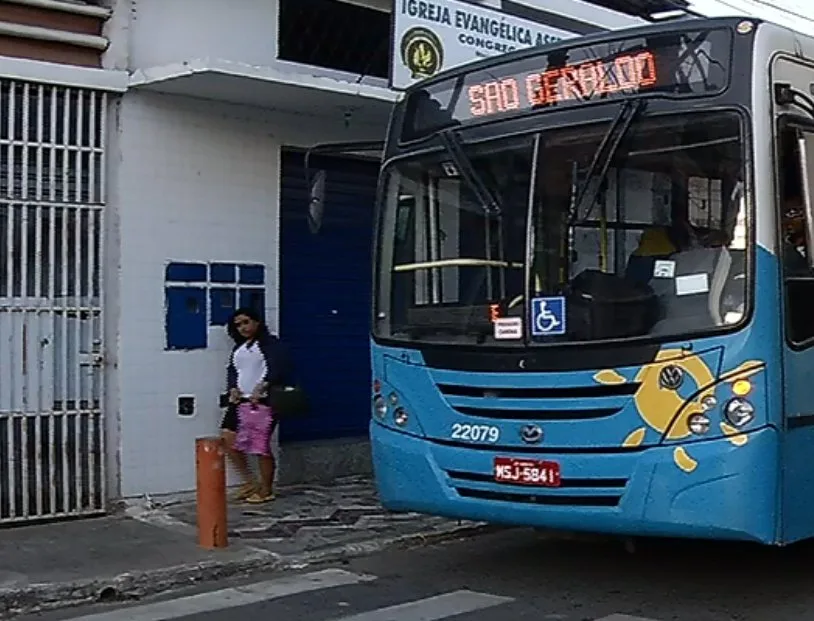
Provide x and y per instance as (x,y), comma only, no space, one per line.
(590,275)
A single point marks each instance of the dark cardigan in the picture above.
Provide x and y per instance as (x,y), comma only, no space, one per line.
(278,367)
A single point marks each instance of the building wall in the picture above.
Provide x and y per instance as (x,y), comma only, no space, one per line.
(195,181)
(174,31)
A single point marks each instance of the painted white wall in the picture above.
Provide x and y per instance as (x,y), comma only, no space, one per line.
(192,181)
(163,32)
(117,29)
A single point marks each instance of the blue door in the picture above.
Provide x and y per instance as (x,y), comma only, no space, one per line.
(325,289)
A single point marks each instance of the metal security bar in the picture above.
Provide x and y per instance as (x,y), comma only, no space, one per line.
(52,193)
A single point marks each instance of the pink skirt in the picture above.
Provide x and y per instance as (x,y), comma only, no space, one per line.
(254,429)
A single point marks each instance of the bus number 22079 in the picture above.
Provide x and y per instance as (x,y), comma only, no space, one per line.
(475,433)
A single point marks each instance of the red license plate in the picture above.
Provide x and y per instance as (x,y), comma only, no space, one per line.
(527,472)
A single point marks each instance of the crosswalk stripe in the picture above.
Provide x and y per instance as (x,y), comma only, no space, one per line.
(432,608)
(618,617)
(435,608)
(233,597)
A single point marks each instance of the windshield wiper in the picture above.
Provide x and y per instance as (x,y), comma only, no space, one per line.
(598,170)
(452,144)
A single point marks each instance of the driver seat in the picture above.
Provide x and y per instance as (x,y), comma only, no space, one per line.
(692,298)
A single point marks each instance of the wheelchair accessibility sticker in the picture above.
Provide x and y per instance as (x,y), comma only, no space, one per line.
(548,316)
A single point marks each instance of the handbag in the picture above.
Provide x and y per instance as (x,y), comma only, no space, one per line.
(288,401)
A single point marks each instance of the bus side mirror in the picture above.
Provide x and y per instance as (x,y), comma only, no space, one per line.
(316,182)
(316,201)
(805,143)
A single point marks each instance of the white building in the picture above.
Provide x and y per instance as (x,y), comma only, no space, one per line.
(182,196)
(55,105)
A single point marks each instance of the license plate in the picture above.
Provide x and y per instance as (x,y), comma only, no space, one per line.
(527,472)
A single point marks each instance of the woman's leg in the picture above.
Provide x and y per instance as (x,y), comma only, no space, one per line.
(265,492)
(238,460)
(267,467)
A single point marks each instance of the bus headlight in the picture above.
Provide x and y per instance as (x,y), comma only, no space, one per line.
(379,406)
(739,412)
(698,424)
(400,417)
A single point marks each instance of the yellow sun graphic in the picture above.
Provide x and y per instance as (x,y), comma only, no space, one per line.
(657,405)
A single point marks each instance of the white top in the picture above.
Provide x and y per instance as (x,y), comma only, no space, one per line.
(250,366)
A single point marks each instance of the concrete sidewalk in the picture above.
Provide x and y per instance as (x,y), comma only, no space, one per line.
(151,546)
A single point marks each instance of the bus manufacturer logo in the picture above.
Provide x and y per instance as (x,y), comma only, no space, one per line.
(671,377)
(531,434)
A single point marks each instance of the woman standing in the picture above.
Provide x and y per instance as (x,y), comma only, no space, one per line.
(256,362)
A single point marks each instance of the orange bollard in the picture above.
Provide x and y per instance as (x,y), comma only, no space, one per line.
(210,466)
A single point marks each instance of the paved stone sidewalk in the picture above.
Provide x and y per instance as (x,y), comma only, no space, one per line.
(307,520)
(150,546)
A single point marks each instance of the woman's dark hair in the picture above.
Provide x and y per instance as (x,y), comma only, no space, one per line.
(231,328)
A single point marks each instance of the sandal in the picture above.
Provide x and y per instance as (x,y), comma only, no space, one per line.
(257,498)
(245,491)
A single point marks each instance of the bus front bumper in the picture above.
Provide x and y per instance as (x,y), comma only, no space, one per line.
(730,494)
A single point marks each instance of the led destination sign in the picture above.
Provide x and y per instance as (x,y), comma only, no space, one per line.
(678,64)
(626,73)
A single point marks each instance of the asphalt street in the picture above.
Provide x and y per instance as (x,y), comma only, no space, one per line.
(518,575)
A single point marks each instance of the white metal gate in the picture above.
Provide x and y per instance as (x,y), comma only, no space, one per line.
(52,193)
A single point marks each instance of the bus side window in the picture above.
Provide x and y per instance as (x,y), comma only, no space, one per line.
(796,171)
(404,218)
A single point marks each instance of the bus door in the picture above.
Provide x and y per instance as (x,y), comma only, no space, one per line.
(795,155)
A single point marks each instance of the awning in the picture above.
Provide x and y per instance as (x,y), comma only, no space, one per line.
(270,88)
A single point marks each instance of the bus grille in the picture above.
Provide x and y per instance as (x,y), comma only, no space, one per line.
(541,414)
(557,404)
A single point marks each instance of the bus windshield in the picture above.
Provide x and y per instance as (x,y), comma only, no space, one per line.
(657,250)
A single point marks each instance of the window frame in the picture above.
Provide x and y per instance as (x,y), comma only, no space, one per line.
(785,122)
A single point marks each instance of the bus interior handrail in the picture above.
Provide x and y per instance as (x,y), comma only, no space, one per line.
(462,262)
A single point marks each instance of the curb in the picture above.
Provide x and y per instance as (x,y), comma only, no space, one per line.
(125,587)
(364,548)
(134,586)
